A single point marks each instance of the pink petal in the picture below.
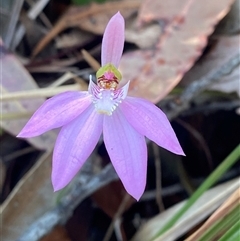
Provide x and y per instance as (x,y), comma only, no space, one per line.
(151,122)
(128,152)
(56,112)
(93,89)
(75,143)
(113,41)
(122,92)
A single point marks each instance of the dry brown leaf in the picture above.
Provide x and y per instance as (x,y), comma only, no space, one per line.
(187,25)
(30,198)
(224,49)
(145,37)
(92,18)
(16,78)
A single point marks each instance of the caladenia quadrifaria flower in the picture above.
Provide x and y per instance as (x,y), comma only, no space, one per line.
(104,109)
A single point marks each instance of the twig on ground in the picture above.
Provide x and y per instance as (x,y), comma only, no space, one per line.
(68,203)
(213,107)
(43,92)
(200,85)
(116,216)
(34,11)
(90,60)
(18,153)
(120,236)
(37,9)
(13,22)
(57,63)
(72,20)
(158,177)
(65,77)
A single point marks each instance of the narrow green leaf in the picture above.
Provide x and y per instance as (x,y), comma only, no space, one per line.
(234,232)
(221,225)
(210,181)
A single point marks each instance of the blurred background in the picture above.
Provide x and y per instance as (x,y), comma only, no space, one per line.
(181,55)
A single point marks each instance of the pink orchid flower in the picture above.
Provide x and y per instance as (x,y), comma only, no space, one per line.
(104,108)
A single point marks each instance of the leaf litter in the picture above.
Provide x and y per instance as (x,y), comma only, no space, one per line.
(171,36)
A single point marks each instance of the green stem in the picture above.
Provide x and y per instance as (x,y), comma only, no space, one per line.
(233,233)
(221,226)
(210,181)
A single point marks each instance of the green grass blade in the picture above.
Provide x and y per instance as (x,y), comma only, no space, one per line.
(229,161)
(223,224)
(234,232)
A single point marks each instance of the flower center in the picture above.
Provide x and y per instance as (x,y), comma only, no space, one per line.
(106,100)
(108,81)
(108,77)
